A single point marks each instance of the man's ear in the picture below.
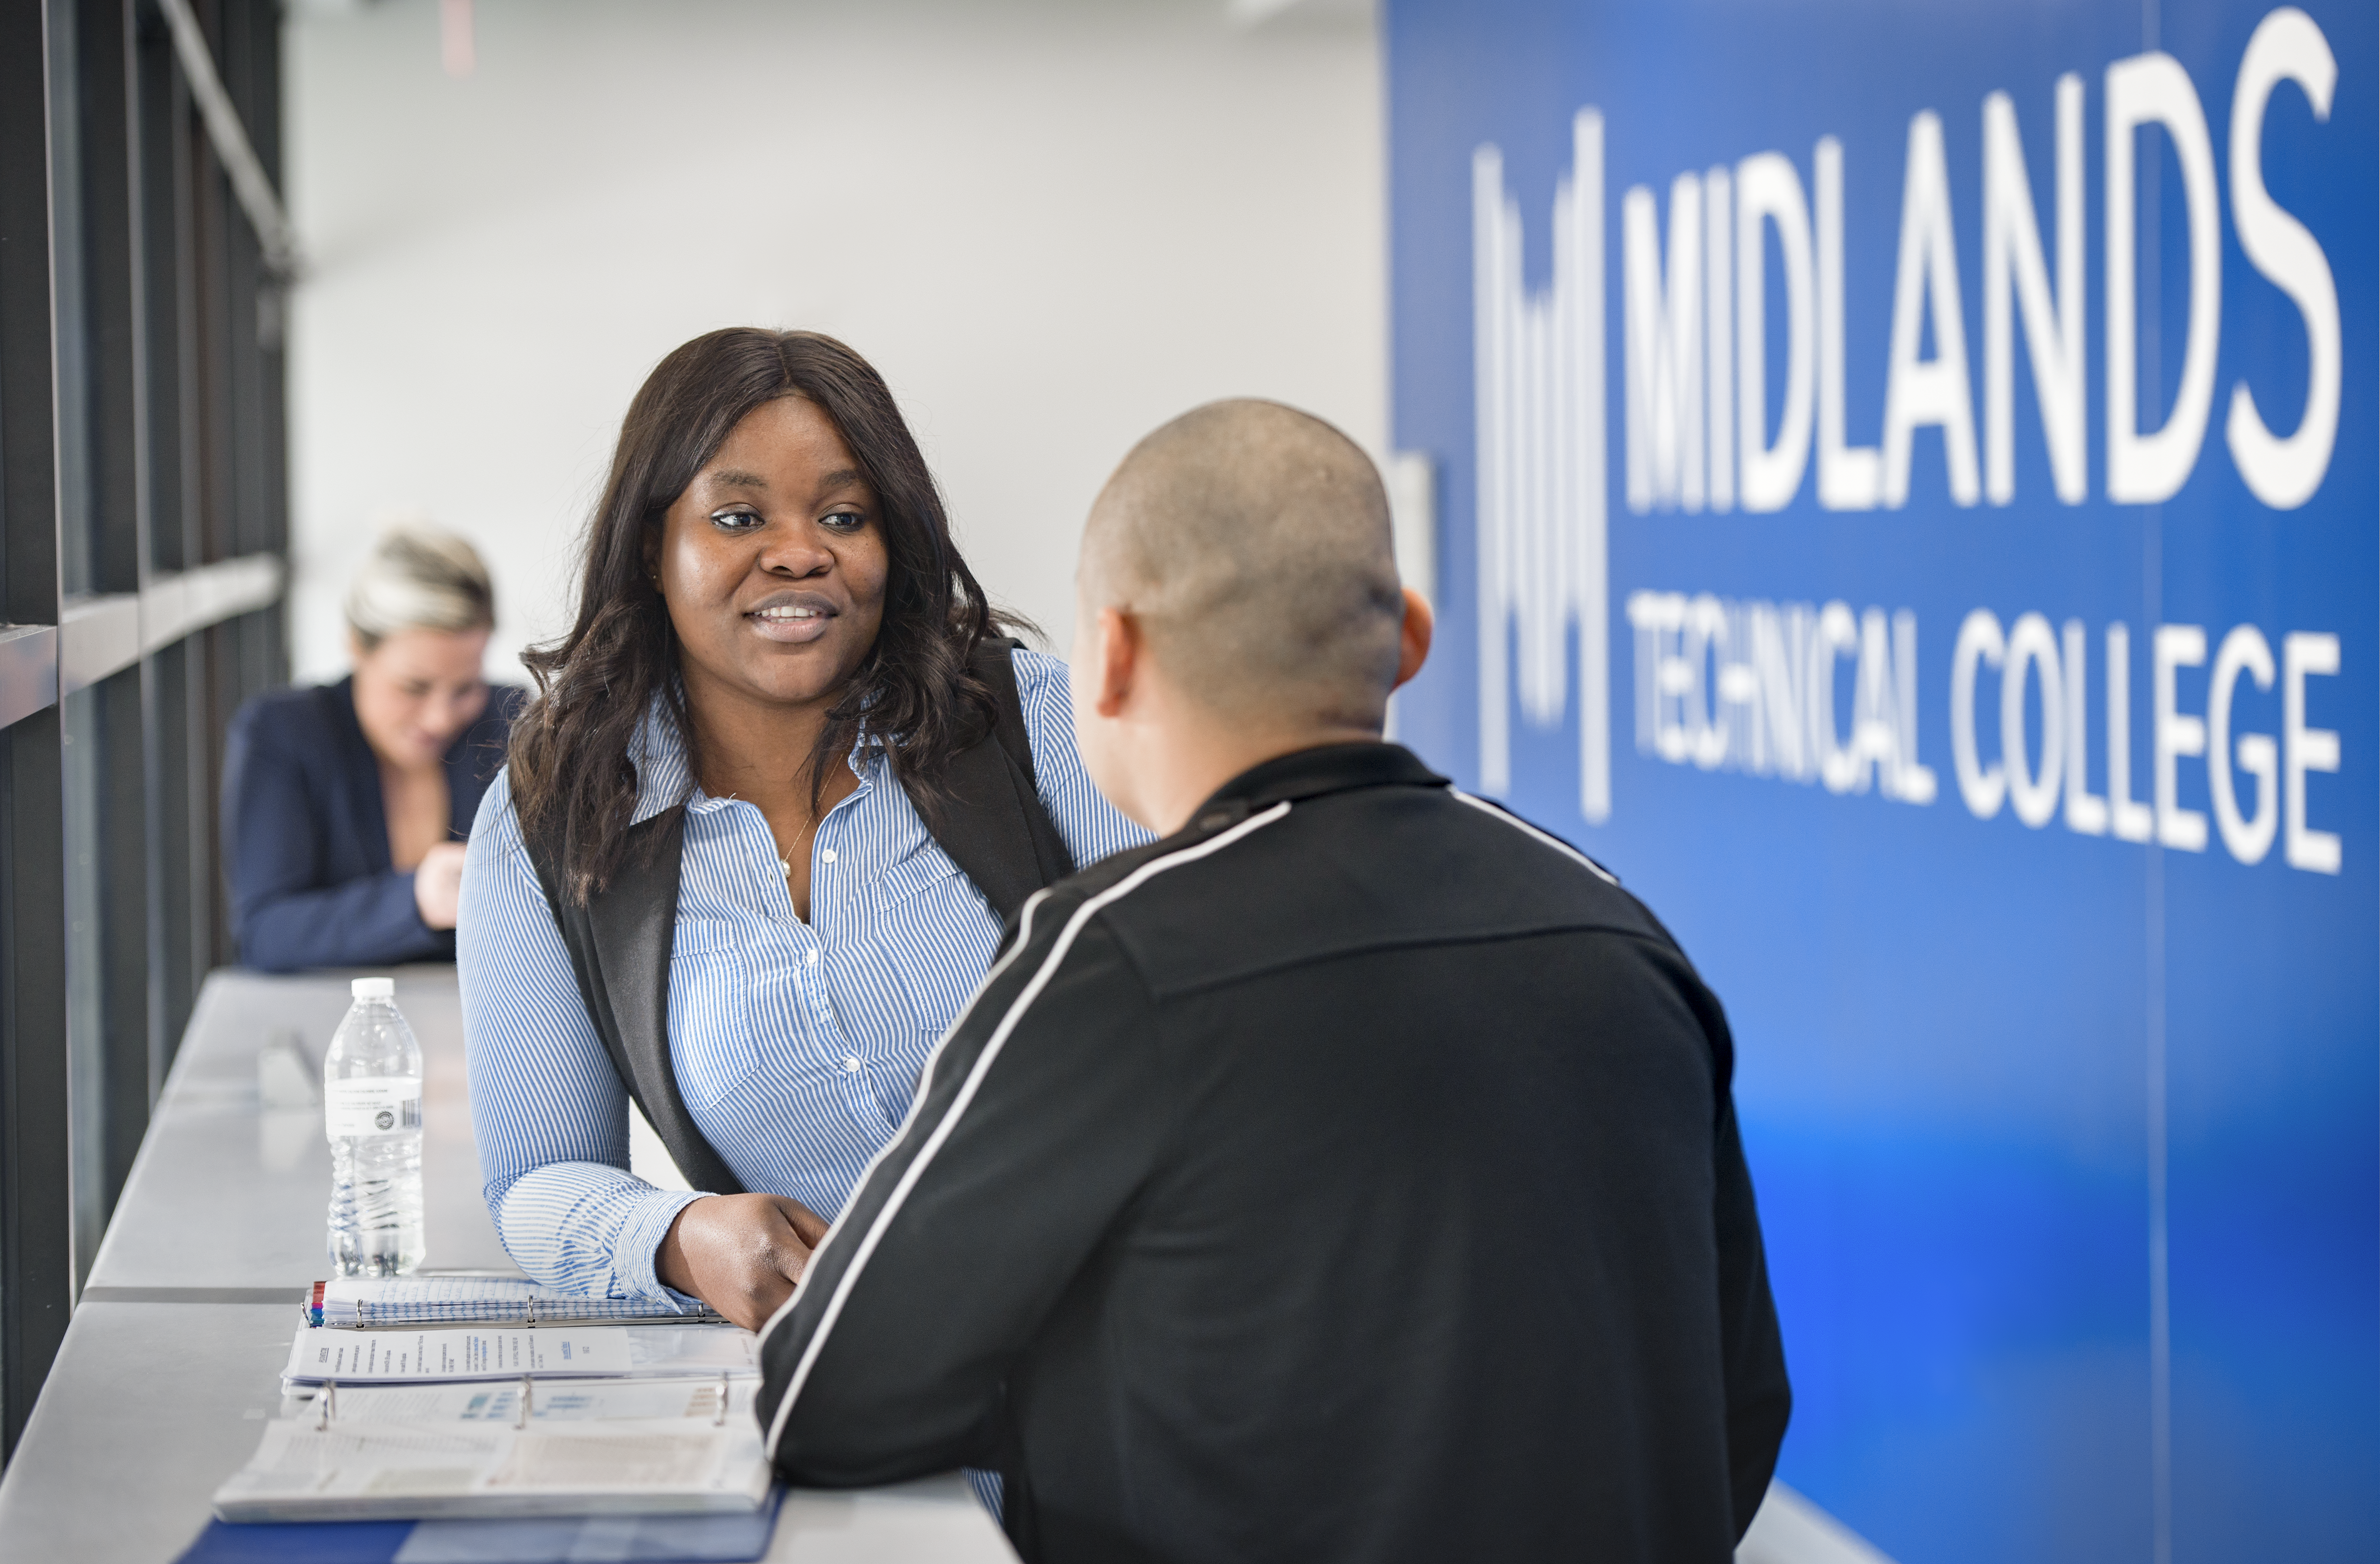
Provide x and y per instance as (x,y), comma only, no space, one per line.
(1116,652)
(1413,640)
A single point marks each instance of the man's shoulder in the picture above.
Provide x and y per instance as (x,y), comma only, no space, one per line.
(1081,896)
(1365,869)
(1102,879)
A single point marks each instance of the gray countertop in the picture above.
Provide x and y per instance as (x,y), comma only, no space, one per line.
(171,1363)
(227,1193)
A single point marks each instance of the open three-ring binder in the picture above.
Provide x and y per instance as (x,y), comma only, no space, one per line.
(525,1416)
(513,1449)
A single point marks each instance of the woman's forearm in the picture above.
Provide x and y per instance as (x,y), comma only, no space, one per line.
(367,922)
(546,1109)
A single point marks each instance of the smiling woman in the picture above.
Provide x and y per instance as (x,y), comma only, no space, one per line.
(775,616)
(781,781)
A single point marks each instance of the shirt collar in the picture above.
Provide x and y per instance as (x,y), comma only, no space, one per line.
(665,778)
(1311,773)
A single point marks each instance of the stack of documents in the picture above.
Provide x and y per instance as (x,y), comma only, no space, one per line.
(569,1352)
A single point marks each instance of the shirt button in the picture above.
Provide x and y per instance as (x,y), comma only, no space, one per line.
(850,1063)
(813,958)
(827,855)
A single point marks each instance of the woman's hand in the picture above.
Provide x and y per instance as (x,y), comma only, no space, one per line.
(740,1253)
(438,884)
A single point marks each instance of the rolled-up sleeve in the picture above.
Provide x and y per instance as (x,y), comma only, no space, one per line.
(547,1107)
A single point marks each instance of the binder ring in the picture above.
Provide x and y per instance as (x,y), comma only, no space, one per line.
(329,1405)
(521,1419)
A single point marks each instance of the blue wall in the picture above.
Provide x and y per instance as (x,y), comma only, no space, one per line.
(2068,1143)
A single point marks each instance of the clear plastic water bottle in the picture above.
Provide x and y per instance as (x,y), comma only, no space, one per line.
(371,1098)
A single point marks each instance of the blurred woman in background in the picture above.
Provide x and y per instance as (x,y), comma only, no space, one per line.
(346,805)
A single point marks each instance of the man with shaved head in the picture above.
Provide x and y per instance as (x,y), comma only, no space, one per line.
(1249,544)
(1351,1175)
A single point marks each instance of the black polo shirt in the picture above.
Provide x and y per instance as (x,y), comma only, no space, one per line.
(1352,1175)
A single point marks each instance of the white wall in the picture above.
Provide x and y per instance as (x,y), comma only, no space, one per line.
(1051,223)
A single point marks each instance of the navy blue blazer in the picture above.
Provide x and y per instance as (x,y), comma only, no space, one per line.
(306,837)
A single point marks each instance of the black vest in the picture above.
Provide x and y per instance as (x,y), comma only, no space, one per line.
(990,821)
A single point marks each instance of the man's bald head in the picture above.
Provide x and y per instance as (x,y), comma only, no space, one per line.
(1251,543)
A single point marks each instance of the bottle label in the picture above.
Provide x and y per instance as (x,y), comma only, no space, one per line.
(372,1105)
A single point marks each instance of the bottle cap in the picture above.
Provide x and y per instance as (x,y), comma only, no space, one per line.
(373,987)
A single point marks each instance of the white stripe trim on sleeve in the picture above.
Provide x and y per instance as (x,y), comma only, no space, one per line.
(983,1063)
(1555,842)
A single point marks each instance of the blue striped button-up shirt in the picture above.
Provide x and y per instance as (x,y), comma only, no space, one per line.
(796,1044)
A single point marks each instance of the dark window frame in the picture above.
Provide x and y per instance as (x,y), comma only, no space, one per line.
(143,545)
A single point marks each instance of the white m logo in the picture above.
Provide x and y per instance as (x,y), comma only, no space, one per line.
(1539,394)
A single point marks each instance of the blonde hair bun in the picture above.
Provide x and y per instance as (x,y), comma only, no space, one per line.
(420,578)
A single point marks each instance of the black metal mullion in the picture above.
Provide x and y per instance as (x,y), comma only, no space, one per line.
(160,115)
(160,127)
(223,697)
(69,280)
(28,468)
(214,217)
(108,201)
(192,831)
(36,1236)
(251,42)
(36,1222)
(124,925)
(243,277)
(112,887)
(174,974)
(141,434)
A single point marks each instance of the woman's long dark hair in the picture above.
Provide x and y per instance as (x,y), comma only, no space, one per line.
(572,781)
